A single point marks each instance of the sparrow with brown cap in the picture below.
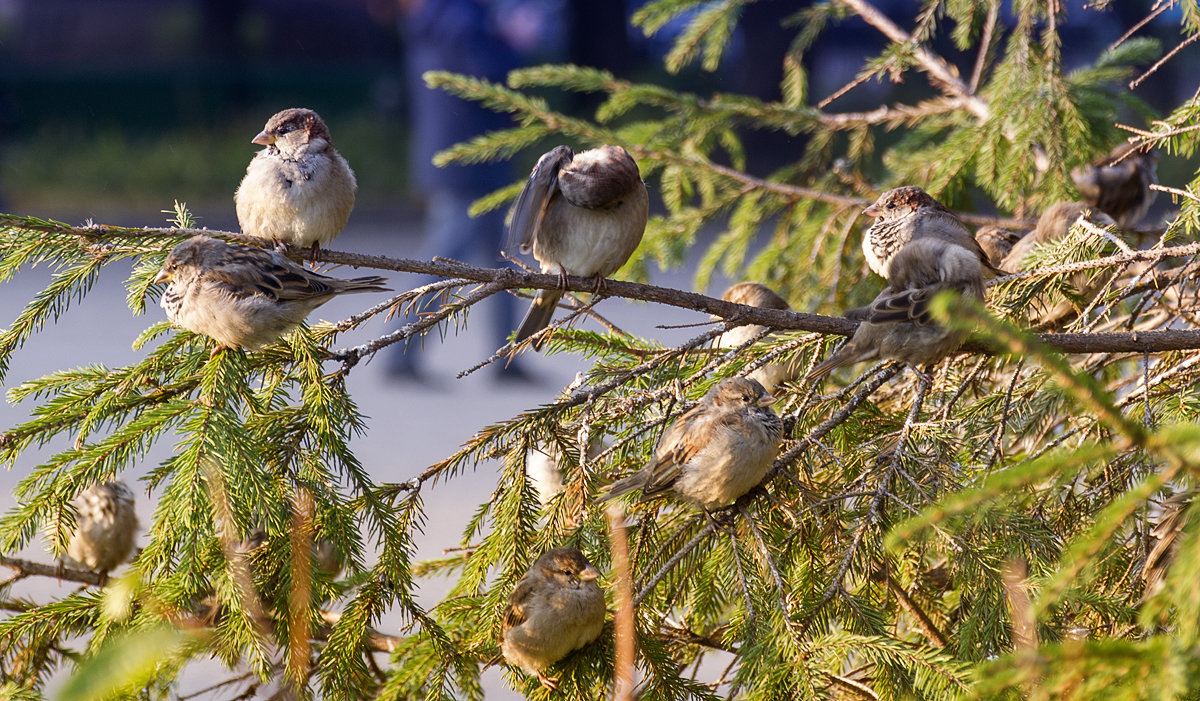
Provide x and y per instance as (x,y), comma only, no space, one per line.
(908,213)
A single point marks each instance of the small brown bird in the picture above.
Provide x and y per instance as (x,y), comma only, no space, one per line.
(716,452)
(105,526)
(996,242)
(754,294)
(544,469)
(897,325)
(1118,183)
(1173,518)
(299,190)
(580,214)
(907,213)
(556,608)
(245,297)
(1054,224)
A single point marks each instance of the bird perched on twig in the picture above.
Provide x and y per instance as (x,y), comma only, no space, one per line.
(909,213)
(556,608)
(1118,183)
(716,452)
(580,214)
(105,526)
(996,242)
(299,190)
(897,325)
(1054,224)
(245,297)
(755,294)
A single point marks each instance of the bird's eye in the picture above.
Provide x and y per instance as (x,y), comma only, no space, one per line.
(891,205)
(286,128)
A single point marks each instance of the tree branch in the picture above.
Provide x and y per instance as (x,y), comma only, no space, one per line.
(29,568)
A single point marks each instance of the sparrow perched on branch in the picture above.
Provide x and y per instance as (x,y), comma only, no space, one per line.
(299,190)
(908,213)
(754,294)
(897,325)
(105,526)
(543,466)
(245,297)
(716,452)
(556,608)
(995,242)
(1054,224)
(1118,183)
(580,214)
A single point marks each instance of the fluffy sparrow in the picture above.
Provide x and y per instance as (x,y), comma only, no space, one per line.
(1118,183)
(757,295)
(897,325)
(580,214)
(556,608)
(245,297)
(1054,224)
(105,526)
(298,190)
(995,242)
(907,213)
(1172,519)
(714,453)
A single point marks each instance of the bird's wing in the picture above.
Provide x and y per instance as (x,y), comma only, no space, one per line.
(535,197)
(911,305)
(269,274)
(678,445)
(514,613)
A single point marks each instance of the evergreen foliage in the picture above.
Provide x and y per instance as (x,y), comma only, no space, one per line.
(984,532)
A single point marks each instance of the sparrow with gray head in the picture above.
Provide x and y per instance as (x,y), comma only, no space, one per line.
(580,214)
(556,608)
(996,242)
(1054,224)
(909,213)
(715,452)
(754,294)
(299,190)
(897,325)
(105,526)
(245,297)
(1118,183)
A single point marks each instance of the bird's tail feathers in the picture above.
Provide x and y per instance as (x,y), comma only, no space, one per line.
(842,357)
(541,311)
(371,283)
(622,486)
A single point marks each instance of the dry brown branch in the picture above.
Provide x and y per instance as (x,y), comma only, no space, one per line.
(29,568)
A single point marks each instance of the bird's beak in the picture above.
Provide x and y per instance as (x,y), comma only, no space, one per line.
(588,574)
(263,139)
(163,276)
(872,211)
(767,399)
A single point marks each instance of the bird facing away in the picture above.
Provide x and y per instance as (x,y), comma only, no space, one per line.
(715,452)
(580,214)
(245,297)
(299,190)
(897,324)
(1054,224)
(1118,183)
(754,294)
(996,242)
(556,608)
(105,526)
(907,213)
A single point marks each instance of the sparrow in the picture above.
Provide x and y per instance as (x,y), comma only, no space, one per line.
(105,526)
(542,467)
(757,295)
(897,325)
(1172,519)
(907,213)
(715,452)
(556,608)
(1054,224)
(580,214)
(299,190)
(1118,183)
(244,297)
(995,242)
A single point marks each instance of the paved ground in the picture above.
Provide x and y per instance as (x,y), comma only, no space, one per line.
(412,425)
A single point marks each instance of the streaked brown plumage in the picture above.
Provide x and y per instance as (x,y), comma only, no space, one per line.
(908,213)
(298,190)
(580,214)
(556,608)
(105,526)
(715,452)
(245,297)
(897,325)
(755,294)
(996,242)
(1118,183)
